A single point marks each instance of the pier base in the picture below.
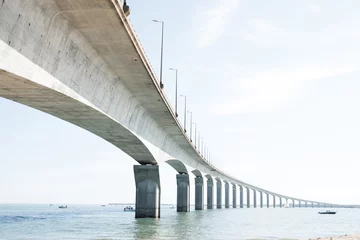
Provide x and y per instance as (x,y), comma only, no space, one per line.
(147,182)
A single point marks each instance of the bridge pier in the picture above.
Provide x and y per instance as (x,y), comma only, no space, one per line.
(299,204)
(306,204)
(280,202)
(227,200)
(234,195)
(261,200)
(147,181)
(210,193)
(274,201)
(247,197)
(218,193)
(241,190)
(312,205)
(199,193)
(183,193)
(293,203)
(267,201)
(254,198)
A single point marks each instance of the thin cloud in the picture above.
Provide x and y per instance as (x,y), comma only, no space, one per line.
(214,21)
(270,90)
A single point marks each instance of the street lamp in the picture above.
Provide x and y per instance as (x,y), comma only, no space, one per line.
(176,81)
(184,113)
(195,135)
(190,125)
(162,51)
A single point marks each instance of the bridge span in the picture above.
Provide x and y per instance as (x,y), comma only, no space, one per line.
(81,61)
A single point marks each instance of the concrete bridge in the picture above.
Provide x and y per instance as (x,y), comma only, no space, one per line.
(81,61)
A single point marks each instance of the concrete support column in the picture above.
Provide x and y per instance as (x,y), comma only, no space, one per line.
(293,203)
(199,193)
(267,201)
(306,204)
(147,182)
(312,205)
(210,193)
(241,196)
(254,198)
(183,193)
(247,197)
(218,194)
(274,201)
(234,195)
(299,204)
(261,200)
(227,200)
(280,202)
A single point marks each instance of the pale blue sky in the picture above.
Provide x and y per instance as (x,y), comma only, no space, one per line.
(274,87)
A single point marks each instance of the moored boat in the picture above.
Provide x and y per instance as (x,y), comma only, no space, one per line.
(63,206)
(327,212)
(129,209)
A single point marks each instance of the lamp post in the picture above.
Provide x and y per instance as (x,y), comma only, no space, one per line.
(191,123)
(176,81)
(195,134)
(184,113)
(162,50)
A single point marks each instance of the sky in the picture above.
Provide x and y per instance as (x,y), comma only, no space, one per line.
(273,87)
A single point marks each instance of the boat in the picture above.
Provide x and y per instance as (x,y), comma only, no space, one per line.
(103,205)
(327,212)
(129,209)
(63,206)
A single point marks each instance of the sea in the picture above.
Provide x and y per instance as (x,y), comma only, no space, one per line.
(43,222)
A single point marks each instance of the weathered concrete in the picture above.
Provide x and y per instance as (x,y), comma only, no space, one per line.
(274,201)
(247,197)
(241,190)
(280,198)
(261,200)
(147,181)
(267,200)
(183,193)
(210,192)
(227,200)
(199,193)
(218,193)
(199,190)
(254,198)
(234,194)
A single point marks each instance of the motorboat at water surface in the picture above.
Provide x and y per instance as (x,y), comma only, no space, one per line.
(327,212)
(129,209)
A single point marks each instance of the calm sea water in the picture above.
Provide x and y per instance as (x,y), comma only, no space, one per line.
(110,222)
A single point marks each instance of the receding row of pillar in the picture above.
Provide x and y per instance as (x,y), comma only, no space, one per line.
(148,193)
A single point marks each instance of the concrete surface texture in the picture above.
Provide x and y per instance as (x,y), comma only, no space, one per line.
(147,182)
(183,193)
(199,193)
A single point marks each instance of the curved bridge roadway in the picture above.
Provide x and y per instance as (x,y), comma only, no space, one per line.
(81,61)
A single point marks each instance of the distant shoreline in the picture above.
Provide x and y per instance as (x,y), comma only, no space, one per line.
(343,237)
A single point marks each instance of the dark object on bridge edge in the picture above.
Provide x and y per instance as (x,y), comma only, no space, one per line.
(327,212)
(126,9)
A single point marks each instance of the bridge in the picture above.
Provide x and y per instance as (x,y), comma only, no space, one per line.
(81,61)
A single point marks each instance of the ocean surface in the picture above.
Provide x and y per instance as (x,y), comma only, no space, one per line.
(110,222)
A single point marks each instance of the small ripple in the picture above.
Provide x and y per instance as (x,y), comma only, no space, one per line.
(15,219)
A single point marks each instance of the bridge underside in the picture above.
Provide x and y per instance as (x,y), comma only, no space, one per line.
(66,108)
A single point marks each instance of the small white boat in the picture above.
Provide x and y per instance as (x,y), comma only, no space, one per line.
(129,209)
(63,206)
